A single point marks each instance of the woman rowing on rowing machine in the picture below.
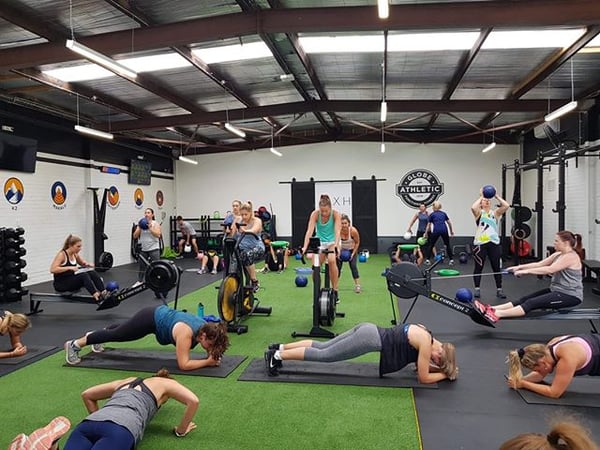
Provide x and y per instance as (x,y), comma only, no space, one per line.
(566,286)
(398,346)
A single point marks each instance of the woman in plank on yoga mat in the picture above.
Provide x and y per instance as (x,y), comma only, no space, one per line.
(132,403)
(170,326)
(14,325)
(398,347)
(566,356)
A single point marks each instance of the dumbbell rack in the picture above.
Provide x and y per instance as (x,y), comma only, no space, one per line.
(12,263)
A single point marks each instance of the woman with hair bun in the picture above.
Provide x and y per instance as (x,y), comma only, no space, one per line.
(567,356)
(564,435)
(14,325)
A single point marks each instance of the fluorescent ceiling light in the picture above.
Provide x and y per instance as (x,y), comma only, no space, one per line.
(233,129)
(382,147)
(342,44)
(561,111)
(275,152)
(100,59)
(188,160)
(383,111)
(489,147)
(592,47)
(87,72)
(252,50)
(383,9)
(93,132)
(532,39)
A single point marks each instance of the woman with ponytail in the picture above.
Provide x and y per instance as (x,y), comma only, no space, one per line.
(14,325)
(567,356)
(565,435)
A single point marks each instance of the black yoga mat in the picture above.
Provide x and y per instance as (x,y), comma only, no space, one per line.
(341,373)
(32,352)
(152,361)
(583,391)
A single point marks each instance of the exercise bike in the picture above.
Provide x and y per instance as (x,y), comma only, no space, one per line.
(236,300)
(324,299)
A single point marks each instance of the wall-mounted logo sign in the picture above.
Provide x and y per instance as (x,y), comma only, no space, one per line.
(160,199)
(58,194)
(113,198)
(419,186)
(138,198)
(14,191)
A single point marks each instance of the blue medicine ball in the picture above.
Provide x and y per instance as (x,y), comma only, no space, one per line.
(112,286)
(362,258)
(301,281)
(464,295)
(488,191)
(463,258)
(143,223)
(346,255)
(298,256)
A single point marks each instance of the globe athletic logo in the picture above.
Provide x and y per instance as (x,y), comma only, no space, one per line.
(419,186)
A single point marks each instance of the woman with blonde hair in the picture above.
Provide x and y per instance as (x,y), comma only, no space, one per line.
(14,325)
(398,346)
(251,246)
(567,356)
(67,276)
(564,435)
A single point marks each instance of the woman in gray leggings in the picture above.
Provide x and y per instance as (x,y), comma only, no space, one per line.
(397,346)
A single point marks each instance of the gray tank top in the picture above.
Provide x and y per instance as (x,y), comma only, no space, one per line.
(129,408)
(568,281)
(148,241)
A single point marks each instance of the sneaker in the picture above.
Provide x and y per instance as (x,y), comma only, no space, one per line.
(500,294)
(136,284)
(482,308)
(272,365)
(357,288)
(44,438)
(20,442)
(96,348)
(427,263)
(213,272)
(451,262)
(72,353)
(490,315)
(274,346)
(477,293)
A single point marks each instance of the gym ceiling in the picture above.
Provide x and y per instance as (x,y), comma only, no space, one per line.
(293,95)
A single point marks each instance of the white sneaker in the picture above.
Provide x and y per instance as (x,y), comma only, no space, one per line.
(214,271)
(357,288)
(72,353)
(136,284)
(96,348)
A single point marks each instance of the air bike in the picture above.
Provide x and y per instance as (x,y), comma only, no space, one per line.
(236,299)
(161,276)
(406,280)
(324,299)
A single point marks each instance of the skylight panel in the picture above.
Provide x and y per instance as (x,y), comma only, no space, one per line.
(252,50)
(532,39)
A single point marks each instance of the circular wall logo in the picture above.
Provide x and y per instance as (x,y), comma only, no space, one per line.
(113,198)
(419,186)
(160,198)
(58,193)
(14,191)
(138,198)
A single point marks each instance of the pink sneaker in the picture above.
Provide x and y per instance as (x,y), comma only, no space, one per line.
(481,307)
(20,442)
(490,315)
(43,438)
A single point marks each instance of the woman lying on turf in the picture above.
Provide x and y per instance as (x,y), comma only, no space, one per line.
(14,325)
(132,403)
(566,286)
(169,326)
(398,346)
(566,356)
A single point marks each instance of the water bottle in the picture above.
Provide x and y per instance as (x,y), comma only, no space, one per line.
(200,310)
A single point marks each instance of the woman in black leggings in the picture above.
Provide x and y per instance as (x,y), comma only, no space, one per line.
(66,267)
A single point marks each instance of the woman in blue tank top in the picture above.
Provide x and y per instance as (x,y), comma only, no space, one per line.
(566,286)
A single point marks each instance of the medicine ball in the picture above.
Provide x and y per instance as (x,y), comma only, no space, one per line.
(112,286)
(362,258)
(422,241)
(346,255)
(143,223)
(464,295)
(301,281)
(463,258)
(488,191)
(407,236)
(298,256)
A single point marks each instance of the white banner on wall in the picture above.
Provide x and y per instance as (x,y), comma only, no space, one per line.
(340,194)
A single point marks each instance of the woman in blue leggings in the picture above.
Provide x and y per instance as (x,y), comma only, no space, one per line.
(132,403)
(398,347)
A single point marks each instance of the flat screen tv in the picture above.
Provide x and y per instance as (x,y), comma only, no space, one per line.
(140,172)
(17,153)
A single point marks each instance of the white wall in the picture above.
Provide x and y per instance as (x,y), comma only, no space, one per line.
(257,176)
(47,225)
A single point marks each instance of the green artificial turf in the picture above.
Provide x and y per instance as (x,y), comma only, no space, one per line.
(244,415)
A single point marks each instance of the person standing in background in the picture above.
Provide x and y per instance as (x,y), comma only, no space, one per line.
(188,235)
(439,226)
(350,238)
(148,233)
